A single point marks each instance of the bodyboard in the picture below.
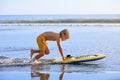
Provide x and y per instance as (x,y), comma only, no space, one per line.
(78,59)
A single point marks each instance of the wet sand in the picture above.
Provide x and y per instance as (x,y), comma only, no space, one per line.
(16,42)
(42,72)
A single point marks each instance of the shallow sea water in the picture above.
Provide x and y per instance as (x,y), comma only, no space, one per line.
(16,41)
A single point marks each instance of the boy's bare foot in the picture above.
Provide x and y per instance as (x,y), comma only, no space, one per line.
(34,61)
(31,54)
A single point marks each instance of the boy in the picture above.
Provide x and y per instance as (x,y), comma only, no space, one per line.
(49,36)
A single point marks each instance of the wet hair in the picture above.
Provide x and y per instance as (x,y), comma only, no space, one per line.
(66,32)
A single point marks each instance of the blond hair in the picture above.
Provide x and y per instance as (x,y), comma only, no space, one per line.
(66,32)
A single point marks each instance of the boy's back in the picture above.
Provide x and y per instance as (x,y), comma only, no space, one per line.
(51,36)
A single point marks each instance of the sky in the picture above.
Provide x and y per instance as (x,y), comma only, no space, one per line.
(19,7)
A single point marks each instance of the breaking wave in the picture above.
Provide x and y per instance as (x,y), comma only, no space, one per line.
(7,61)
(13,61)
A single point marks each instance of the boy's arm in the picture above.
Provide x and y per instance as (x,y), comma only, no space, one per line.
(60,49)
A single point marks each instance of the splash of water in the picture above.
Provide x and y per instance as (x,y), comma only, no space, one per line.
(13,61)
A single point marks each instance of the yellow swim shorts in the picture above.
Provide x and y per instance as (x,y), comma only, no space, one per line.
(41,42)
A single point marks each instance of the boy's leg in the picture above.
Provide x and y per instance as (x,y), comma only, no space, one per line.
(41,53)
(47,51)
(33,51)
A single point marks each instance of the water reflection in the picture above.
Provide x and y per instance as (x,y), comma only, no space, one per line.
(37,71)
(45,72)
(62,74)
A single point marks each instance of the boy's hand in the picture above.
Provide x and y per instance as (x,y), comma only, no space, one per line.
(63,58)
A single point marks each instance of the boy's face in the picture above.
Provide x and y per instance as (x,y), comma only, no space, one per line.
(63,37)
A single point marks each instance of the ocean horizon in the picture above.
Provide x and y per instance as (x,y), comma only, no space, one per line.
(44,17)
(65,20)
